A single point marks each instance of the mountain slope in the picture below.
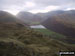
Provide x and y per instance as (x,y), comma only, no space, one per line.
(18,40)
(62,23)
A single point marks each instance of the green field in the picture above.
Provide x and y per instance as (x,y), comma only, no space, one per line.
(50,33)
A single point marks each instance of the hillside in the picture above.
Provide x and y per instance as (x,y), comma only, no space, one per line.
(18,40)
(62,23)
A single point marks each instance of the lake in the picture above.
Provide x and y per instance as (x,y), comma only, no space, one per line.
(37,26)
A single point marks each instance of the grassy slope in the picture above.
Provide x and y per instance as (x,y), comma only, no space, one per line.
(50,33)
(54,35)
(27,42)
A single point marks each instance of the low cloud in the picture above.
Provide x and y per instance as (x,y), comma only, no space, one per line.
(35,6)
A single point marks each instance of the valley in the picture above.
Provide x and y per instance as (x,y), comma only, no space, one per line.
(17,38)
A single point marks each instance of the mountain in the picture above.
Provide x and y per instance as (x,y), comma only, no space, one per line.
(16,39)
(46,15)
(33,19)
(5,18)
(62,23)
(29,18)
(25,16)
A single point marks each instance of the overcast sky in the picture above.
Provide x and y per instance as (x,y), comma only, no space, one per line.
(36,6)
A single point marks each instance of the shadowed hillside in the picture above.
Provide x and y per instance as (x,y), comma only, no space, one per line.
(16,39)
(62,23)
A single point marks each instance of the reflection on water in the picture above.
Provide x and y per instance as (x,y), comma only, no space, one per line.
(37,26)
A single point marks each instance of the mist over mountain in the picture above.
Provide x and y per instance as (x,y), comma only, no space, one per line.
(29,18)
